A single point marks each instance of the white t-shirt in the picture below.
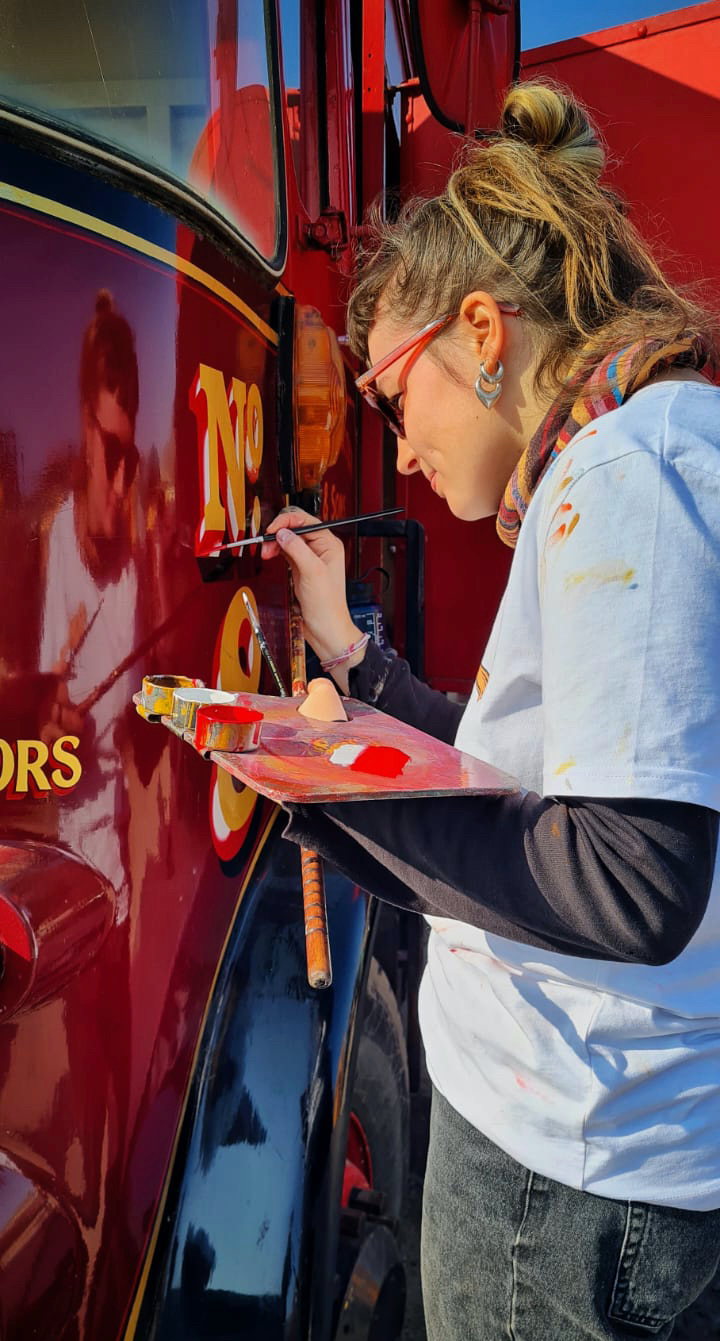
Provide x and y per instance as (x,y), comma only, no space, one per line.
(604,681)
(89,825)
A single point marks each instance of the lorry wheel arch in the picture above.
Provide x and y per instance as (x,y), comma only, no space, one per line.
(380,1100)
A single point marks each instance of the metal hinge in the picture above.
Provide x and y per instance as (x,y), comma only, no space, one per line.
(329,231)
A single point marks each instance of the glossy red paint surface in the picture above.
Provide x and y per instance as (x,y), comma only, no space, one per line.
(55,913)
(42,1257)
(114,900)
(124,856)
(130,877)
(107,875)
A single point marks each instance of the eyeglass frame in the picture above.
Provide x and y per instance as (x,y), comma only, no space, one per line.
(114,449)
(391,413)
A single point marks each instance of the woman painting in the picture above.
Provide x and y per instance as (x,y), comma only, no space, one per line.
(535,363)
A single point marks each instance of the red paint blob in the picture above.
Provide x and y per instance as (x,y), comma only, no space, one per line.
(229,712)
(382,760)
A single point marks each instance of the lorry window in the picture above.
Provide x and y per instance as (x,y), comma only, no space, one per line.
(350,20)
(396,62)
(543,23)
(183,85)
(302,79)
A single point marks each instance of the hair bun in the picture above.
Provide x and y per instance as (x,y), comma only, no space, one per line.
(103,303)
(546,118)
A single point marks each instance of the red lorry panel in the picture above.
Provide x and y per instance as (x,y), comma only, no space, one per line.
(653,87)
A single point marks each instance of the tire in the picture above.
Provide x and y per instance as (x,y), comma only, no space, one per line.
(381,1096)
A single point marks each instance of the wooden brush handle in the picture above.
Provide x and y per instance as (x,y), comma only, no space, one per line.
(298,674)
(317,943)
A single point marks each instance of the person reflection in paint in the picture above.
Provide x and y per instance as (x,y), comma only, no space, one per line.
(109,412)
(91,593)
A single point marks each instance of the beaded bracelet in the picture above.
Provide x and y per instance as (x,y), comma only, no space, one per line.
(347,654)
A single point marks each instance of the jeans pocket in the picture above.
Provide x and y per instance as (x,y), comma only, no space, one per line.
(667,1258)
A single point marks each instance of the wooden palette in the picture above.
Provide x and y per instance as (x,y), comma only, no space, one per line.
(294,759)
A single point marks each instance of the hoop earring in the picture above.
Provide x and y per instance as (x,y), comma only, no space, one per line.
(488,398)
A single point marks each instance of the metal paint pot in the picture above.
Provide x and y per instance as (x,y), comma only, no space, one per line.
(187,701)
(158,692)
(232,729)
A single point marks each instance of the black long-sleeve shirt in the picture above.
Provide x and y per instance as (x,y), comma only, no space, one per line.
(623,880)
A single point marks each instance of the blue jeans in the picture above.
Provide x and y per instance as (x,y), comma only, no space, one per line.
(510,1256)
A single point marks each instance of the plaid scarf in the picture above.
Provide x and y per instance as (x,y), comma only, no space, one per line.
(610,384)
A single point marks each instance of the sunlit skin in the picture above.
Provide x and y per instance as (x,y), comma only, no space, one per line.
(465,451)
(105,497)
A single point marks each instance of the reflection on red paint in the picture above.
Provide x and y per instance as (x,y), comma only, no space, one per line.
(14,932)
(382,760)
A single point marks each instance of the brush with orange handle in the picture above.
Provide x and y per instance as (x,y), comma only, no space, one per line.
(317,944)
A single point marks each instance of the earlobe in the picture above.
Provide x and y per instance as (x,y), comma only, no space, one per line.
(492,380)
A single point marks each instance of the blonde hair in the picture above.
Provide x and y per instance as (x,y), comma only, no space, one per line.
(526,217)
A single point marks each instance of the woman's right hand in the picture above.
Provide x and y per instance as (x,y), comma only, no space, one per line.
(317,562)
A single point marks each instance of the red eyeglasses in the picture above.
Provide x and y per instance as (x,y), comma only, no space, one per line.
(389,406)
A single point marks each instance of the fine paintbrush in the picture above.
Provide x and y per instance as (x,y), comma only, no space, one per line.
(316,526)
(263,645)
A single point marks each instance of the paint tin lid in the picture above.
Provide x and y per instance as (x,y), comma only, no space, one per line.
(187,701)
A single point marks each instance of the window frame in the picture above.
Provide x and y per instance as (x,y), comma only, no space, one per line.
(122,167)
(312,155)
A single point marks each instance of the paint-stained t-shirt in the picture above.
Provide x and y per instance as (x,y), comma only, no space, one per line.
(107,611)
(571,1004)
(603,680)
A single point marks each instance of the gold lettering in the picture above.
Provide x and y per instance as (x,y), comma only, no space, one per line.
(219,415)
(235,501)
(29,767)
(62,755)
(7,764)
(253,434)
(237,803)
